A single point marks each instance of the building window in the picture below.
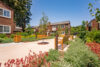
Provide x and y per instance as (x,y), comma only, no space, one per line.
(62,26)
(5,29)
(90,24)
(1,12)
(5,13)
(1,29)
(63,32)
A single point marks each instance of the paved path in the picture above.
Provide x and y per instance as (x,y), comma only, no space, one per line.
(19,50)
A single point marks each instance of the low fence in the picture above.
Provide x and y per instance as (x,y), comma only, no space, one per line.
(42,36)
(17,38)
(60,40)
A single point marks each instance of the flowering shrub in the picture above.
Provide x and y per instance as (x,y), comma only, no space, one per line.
(32,60)
(95,47)
(79,55)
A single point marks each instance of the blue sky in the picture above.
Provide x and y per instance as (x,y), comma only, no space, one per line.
(74,11)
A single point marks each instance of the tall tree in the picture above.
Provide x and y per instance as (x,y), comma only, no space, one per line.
(21,11)
(43,24)
(94,11)
(83,30)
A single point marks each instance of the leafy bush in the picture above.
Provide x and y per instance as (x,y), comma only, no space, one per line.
(28,39)
(23,34)
(78,55)
(97,37)
(53,34)
(1,40)
(2,35)
(93,36)
(6,40)
(12,35)
(53,55)
(61,63)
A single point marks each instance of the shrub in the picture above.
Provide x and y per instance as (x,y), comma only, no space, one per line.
(93,36)
(53,55)
(28,39)
(2,35)
(23,34)
(32,60)
(97,37)
(61,63)
(7,40)
(53,34)
(78,55)
(12,35)
(1,40)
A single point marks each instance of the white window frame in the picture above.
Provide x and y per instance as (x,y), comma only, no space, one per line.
(62,26)
(3,29)
(2,9)
(3,13)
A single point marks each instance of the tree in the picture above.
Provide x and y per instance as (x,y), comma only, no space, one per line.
(21,11)
(94,11)
(29,29)
(83,30)
(43,24)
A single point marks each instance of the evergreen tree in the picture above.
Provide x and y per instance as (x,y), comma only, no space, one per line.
(21,11)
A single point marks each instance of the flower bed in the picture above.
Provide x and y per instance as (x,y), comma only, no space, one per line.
(95,47)
(32,60)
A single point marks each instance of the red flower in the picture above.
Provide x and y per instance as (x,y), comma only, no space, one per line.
(48,64)
(46,53)
(12,61)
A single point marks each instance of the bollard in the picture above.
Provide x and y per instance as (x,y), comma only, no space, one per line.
(56,42)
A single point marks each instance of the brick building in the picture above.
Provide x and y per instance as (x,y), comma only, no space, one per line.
(7,24)
(93,24)
(53,27)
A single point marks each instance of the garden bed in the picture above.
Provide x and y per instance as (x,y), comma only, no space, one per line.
(79,55)
(95,47)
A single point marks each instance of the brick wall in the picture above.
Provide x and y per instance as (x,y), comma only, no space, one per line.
(7,21)
(94,25)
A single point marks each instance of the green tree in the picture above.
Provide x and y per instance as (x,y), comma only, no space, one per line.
(21,11)
(83,30)
(94,11)
(29,29)
(43,24)
(75,30)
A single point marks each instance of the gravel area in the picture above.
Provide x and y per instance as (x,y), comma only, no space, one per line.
(19,50)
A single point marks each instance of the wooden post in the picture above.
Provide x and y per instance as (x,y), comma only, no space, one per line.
(56,42)
(62,44)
